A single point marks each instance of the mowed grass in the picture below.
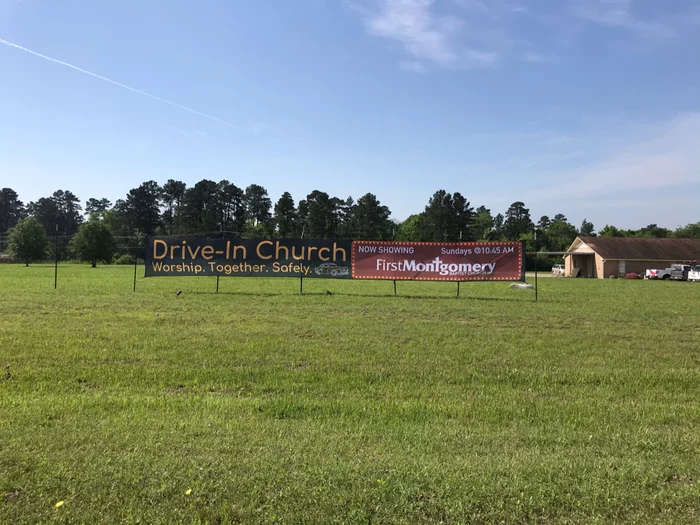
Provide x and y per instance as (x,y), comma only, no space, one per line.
(258,405)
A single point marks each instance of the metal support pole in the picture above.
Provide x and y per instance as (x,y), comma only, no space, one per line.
(55,262)
(301,275)
(394,288)
(458,282)
(136,262)
(537,260)
(217,282)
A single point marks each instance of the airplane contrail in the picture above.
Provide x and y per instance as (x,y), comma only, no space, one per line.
(124,86)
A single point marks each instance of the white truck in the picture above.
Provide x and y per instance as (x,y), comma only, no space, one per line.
(694,274)
(558,270)
(677,272)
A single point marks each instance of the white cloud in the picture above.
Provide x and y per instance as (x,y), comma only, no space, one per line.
(476,6)
(620,14)
(412,23)
(463,34)
(537,58)
(424,34)
(657,155)
(482,57)
(623,171)
(492,8)
(412,66)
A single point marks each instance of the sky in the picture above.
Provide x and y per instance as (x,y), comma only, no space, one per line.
(587,108)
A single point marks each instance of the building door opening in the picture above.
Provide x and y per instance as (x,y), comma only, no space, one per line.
(584,266)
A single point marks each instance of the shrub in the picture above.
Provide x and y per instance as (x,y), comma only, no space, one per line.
(124,259)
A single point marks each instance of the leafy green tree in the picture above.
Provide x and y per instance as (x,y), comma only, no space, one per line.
(483,224)
(94,242)
(286,217)
(517,221)
(113,221)
(610,231)
(410,229)
(560,235)
(254,231)
(531,244)
(654,231)
(26,241)
(688,231)
(587,229)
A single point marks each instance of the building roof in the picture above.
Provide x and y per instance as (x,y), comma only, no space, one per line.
(642,248)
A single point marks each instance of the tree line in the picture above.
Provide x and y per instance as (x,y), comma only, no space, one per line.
(101,230)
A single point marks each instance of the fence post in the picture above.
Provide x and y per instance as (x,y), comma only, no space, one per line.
(301,273)
(55,260)
(136,262)
(537,260)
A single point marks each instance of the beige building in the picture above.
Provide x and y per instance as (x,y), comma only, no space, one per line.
(603,257)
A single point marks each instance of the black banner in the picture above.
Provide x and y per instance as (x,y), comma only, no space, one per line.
(182,256)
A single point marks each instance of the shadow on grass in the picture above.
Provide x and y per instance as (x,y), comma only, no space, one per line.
(430,296)
(364,295)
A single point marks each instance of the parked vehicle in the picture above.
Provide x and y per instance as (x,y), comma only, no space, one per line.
(658,274)
(677,272)
(694,274)
(558,270)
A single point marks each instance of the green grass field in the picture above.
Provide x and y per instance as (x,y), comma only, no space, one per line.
(258,405)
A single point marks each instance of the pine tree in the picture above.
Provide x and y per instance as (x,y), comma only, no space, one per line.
(286,216)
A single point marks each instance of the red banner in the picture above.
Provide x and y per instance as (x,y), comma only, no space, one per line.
(438,261)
